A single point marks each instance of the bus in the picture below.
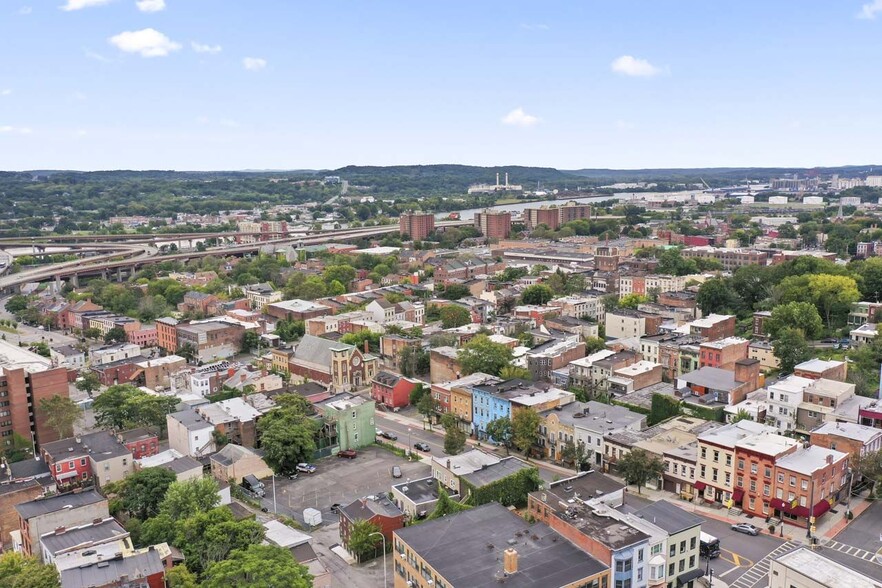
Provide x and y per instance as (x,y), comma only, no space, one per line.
(710,546)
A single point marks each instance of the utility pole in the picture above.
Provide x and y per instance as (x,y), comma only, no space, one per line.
(811,516)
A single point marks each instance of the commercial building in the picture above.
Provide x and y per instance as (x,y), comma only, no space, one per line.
(480,546)
(682,556)
(416,225)
(807,568)
(25,380)
(212,340)
(856,440)
(808,482)
(755,459)
(715,474)
(493,224)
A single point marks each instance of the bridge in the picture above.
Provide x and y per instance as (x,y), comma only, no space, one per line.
(127,258)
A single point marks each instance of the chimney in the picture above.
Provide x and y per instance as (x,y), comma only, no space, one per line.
(367,347)
(829,459)
(448,464)
(506,179)
(78,439)
(510,561)
(59,530)
(497,178)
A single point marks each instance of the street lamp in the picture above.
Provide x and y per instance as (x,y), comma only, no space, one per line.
(408,441)
(383,537)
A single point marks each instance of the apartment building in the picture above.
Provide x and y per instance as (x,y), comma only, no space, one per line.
(714,326)
(807,483)
(815,369)
(189,433)
(851,438)
(717,385)
(591,307)
(722,353)
(755,459)
(212,340)
(715,473)
(555,216)
(493,224)
(543,359)
(592,372)
(259,295)
(416,225)
(167,334)
(820,401)
(626,323)
(637,376)
(297,310)
(652,283)
(731,258)
(45,515)
(683,534)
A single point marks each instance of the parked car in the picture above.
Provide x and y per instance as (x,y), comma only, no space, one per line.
(746,528)
(396,472)
(347,453)
(335,508)
(253,485)
(306,468)
(422,446)
(388,435)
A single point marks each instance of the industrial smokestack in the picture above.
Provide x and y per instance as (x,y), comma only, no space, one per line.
(497,178)
(506,179)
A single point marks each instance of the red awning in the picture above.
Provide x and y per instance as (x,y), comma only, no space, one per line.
(737,495)
(800,511)
(700,486)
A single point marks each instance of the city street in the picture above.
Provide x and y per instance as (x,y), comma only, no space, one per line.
(863,536)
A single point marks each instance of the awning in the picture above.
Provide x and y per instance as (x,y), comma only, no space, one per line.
(737,495)
(800,511)
(65,476)
(700,486)
(689,576)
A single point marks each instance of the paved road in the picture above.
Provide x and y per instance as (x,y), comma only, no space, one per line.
(863,534)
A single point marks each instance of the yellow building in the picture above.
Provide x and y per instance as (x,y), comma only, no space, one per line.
(478,546)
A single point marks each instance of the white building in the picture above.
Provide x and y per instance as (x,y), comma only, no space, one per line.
(189,433)
(783,400)
(864,333)
(114,353)
(806,568)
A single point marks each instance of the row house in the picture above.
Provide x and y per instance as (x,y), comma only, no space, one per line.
(392,347)
(491,401)
(95,458)
(466,269)
(444,364)
(647,284)
(581,306)
(755,459)
(114,353)
(624,323)
(637,376)
(592,373)
(722,353)
(199,303)
(392,390)
(863,313)
(535,313)
(764,352)
(714,326)
(456,396)
(553,355)
(384,311)
(259,295)
(851,438)
(683,299)
(669,314)
(717,385)
(71,317)
(677,354)
(45,515)
(815,369)
(211,340)
(731,258)
(167,334)
(583,328)
(714,477)
(808,482)
(798,403)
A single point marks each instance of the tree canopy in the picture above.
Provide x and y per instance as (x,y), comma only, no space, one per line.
(481,354)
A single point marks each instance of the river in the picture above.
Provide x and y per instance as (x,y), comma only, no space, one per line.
(519,207)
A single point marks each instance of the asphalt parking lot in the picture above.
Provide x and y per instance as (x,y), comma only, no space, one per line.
(340,480)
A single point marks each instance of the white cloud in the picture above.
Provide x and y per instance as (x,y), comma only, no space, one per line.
(254,63)
(10,130)
(150,5)
(628,65)
(870,9)
(80,4)
(204,48)
(24,10)
(146,43)
(82,132)
(519,118)
(5,92)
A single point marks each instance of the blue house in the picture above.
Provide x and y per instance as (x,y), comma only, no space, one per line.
(494,401)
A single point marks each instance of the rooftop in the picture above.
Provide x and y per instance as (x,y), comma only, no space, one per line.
(475,379)
(727,342)
(191,419)
(854,431)
(366,508)
(282,535)
(767,444)
(817,365)
(296,305)
(108,572)
(669,517)
(583,486)
(610,532)
(99,446)
(825,570)
(420,491)
(83,535)
(489,474)
(807,460)
(713,378)
(467,549)
(729,435)
(466,463)
(344,402)
(42,506)
(14,357)
(231,454)
(710,320)
(636,369)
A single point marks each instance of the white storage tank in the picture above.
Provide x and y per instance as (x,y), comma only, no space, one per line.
(312,517)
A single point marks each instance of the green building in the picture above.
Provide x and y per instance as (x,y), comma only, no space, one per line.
(348,423)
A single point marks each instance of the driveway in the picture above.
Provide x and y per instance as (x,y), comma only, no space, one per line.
(340,480)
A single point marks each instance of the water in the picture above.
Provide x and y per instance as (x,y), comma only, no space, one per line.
(519,207)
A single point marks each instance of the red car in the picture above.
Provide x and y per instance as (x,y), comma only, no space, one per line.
(348,453)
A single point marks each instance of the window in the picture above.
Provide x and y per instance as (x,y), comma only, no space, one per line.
(623,565)
(683,546)
(716,456)
(692,544)
(672,570)
(83,461)
(768,472)
(802,501)
(753,485)
(767,490)
(639,555)
(656,549)
(691,561)
(682,565)
(793,481)
(639,574)
(750,503)
(58,468)
(780,478)
(779,494)
(728,478)
(753,468)
(740,482)
(805,484)
(673,551)
(703,452)
(728,459)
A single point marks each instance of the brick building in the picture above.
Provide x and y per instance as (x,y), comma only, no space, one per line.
(723,353)
(714,326)
(493,224)
(392,390)
(416,225)
(167,334)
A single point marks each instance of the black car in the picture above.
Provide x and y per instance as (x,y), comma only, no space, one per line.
(335,508)
(422,446)
(389,435)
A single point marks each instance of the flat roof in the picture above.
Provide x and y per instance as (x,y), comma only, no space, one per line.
(506,467)
(817,365)
(854,431)
(466,463)
(669,517)
(83,535)
(191,419)
(13,357)
(831,568)
(635,369)
(713,378)
(41,506)
(467,550)
(136,567)
(767,443)
(282,535)
(729,435)
(297,305)
(807,460)
(420,491)
(720,343)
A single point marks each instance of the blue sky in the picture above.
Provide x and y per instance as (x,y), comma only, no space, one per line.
(284,84)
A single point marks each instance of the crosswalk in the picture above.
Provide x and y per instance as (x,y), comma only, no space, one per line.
(849,550)
(759,572)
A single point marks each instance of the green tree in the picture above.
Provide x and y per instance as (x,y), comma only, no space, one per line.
(115,335)
(209,537)
(180,577)
(870,271)
(454,315)
(250,340)
(716,296)
(500,430)
(575,453)
(17,304)
(91,333)
(340,273)
(413,360)
(525,429)
(481,354)
(362,540)
(799,315)
(61,414)
(185,499)
(639,467)
(144,491)
(632,300)
(188,352)
(833,295)
(454,436)
(791,349)
(359,337)
(594,344)
(20,571)
(741,415)
(514,372)
(455,292)
(336,288)
(88,382)
(417,394)
(427,407)
(537,294)
(287,437)
(258,566)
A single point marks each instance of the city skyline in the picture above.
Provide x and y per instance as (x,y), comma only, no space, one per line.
(166,84)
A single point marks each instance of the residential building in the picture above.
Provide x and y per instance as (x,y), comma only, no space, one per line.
(581,306)
(683,529)
(416,225)
(392,390)
(715,463)
(863,312)
(759,321)
(114,353)
(808,482)
(553,355)
(808,568)
(731,258)
(444,364)
(12,493)
(342,366)
(460,395)
(491,401)
(592,373)
(199,303)
(417,498)
(555,216)
(234,462)
(64,547)
(851,438)
(755,459)
(763,352)
(713,326)
(142,568)
(723,353)
(465,550)
(382,512)
(296,310)
(784,398)
(352,418)
(637,376)
(624,323)
(449,468)
(820,401)
(68,356)
(211,340)
(679,476)
(493,224)
(189,433)
(259,295)
(815,369)
(100,458)
(234,419)
(863,334)
(25,380)
(45,515)
(167,334)
(156,373)
(719,385)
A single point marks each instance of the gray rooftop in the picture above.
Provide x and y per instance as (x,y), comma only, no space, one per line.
(317,350)
(467,550)
(103,573)
(713,378)
(42,506)
(182,464)
(367,508)
(669,517)
(493,473)
(83,536)
(421,491)
(191,419)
